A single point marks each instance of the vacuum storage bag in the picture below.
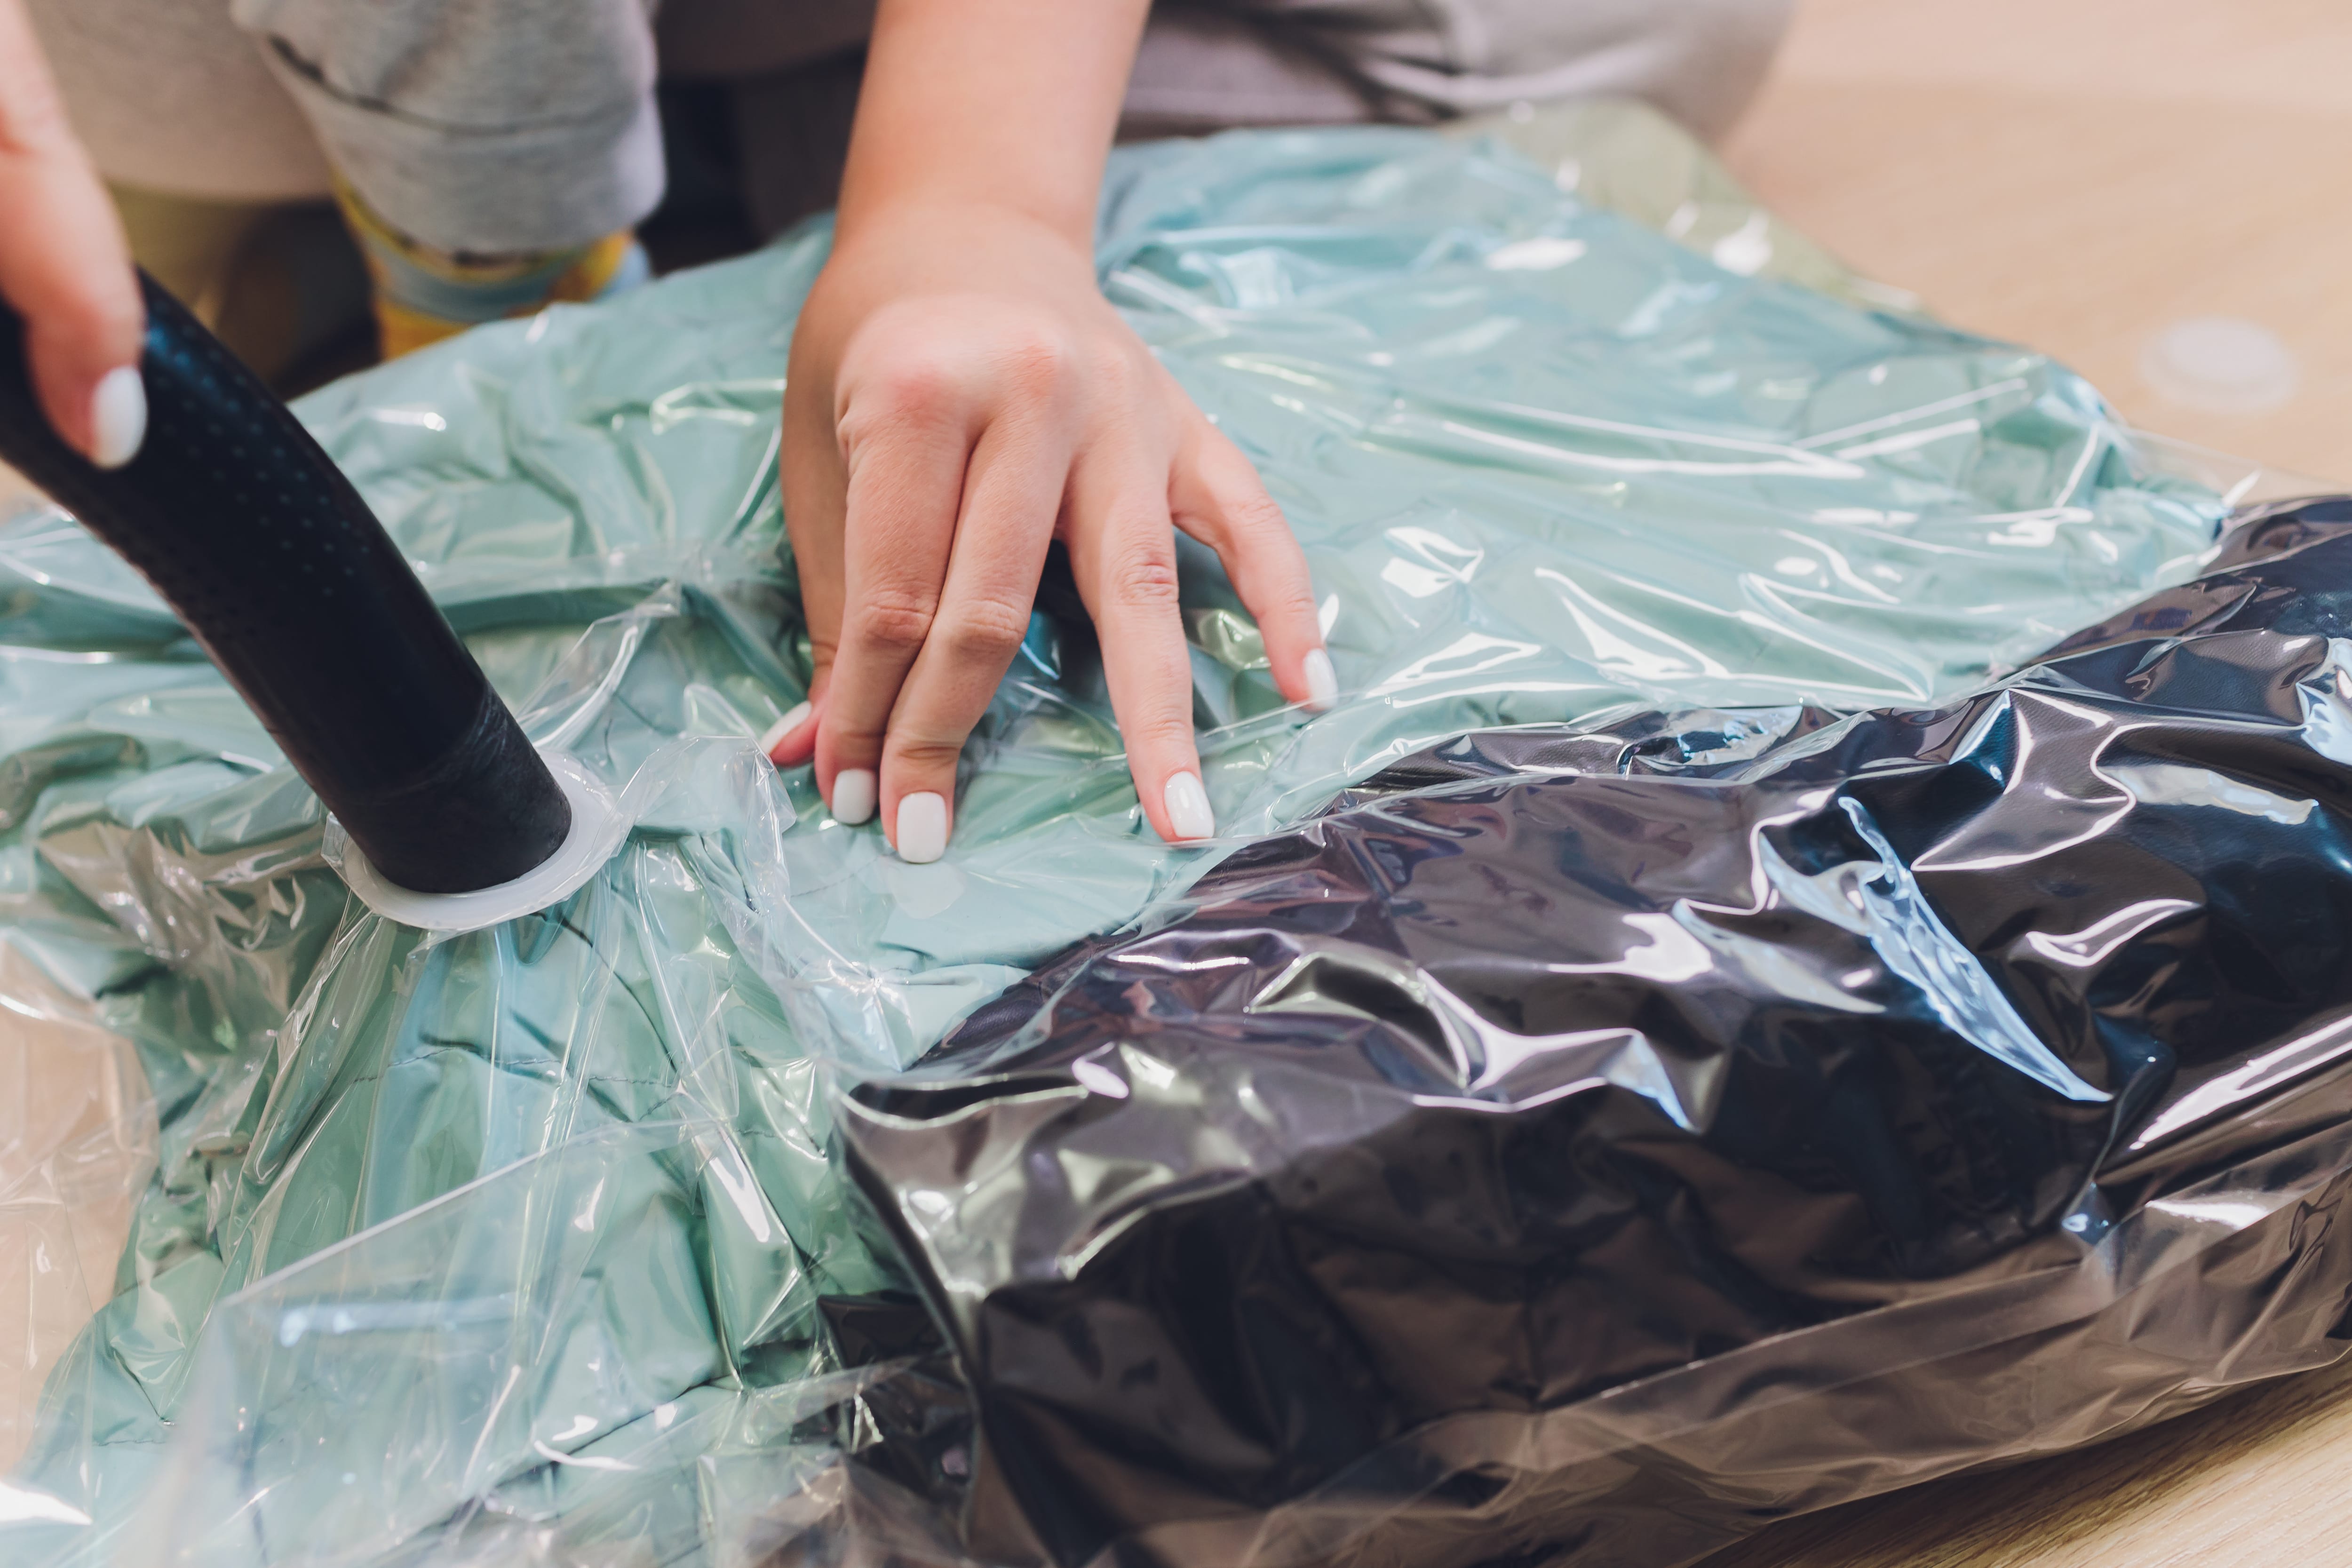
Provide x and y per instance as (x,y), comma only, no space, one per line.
(632,1231)
(1588,1143)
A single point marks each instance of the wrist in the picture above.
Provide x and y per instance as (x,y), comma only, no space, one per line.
(948,220)
(950,237)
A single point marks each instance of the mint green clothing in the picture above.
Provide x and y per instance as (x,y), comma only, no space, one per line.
(514,1242)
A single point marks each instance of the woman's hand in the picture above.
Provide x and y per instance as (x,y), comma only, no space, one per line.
(64,264)
(960,395)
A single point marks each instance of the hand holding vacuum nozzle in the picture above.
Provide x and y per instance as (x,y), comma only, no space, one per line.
(261,546)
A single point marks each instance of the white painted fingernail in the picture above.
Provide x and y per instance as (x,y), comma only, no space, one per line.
(922,828)
(1188,807)
(783,727)
(853,796)
(118,417)
(1322,682)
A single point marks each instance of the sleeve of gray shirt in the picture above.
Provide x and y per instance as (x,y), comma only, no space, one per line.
(1206,63)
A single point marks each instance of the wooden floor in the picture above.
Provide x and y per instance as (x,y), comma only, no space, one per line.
(2073,175)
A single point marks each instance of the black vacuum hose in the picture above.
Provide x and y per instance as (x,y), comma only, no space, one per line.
(270,558)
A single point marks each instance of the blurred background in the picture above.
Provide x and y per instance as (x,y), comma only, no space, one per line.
(2153,191)
(2084,174)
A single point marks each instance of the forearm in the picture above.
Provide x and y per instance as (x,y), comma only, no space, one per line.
(1008,104)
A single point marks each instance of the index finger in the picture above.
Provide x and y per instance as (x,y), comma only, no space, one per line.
(64,262)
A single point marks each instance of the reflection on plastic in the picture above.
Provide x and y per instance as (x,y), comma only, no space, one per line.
(1593,1142)
(524,1244)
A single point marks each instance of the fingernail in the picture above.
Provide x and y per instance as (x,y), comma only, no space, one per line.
(853,796)
(1188,807)
(783,727)
(118,417)
(922,828)
(1322,682)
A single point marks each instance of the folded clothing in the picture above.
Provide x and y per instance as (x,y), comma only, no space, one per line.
(539,1229)
(1592,1142)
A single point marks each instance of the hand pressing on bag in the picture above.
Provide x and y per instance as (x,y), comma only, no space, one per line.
(64,263)
(960,395)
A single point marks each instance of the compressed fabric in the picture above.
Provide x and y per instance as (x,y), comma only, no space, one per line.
(1587,1144)
(523,1241)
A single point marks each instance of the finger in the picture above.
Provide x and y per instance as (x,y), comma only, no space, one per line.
(1013,493)
(904,450)
(791,739)
(813,481)
(1123,554)
(65,264)
(1219,499)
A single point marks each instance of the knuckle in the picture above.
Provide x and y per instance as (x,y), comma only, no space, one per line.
(1255,515)
(1037,364)
(1144,580)
(988,628)
(924,756)
(855,744)
(855,427)
(1292,598)
(893,620)
(917,388)
(1159,732)
(1112,366)
(852,740)
(911,395)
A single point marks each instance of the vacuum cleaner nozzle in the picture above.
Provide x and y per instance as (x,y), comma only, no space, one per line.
(248,530)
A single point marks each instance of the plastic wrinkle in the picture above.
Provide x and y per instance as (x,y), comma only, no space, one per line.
(1581,1141)
(598,827)
(245,527)
(343,1243)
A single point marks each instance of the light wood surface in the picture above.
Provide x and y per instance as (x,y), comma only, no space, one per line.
(2255,1481)
(2074,174)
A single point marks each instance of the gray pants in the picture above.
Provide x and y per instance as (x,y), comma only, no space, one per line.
(524,125)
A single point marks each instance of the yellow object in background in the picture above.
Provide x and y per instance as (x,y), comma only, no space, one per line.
(423,295)
(280,282)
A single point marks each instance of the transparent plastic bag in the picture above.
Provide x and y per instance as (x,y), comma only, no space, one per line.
(1582,1144)
(1547,468)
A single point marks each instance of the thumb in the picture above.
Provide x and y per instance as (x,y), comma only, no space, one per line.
(791,739)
